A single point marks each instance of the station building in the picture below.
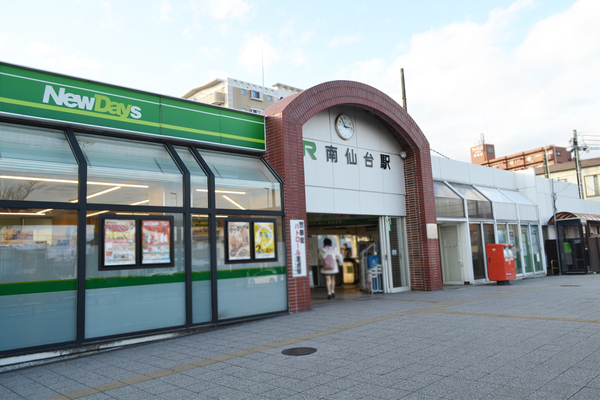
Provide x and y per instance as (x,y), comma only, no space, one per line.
(129,216)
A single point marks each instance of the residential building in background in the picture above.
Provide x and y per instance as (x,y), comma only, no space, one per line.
(239,95)
(485,155)
(567,172)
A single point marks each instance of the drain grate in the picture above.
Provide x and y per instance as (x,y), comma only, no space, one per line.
(299,351)
(570,285)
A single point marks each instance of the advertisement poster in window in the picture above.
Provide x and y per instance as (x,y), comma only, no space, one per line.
(264,240)
(238,241)
(156,241)
(119,242)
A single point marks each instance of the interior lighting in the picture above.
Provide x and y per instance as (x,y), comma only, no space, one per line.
(140,202)
(96,213)
(44,211)
(29,178)
(233,202)
(98,193)
(221,191)
(18,213)
(200,215)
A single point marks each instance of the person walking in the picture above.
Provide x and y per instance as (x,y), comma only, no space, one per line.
(331,259)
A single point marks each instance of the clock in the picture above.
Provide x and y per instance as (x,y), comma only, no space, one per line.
(344,126)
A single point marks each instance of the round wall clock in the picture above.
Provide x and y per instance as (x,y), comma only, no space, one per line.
(344,126)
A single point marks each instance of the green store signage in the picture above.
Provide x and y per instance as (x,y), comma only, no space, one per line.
(31,93)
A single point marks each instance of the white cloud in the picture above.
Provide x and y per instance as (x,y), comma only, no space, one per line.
(256,52)
(165,12)
(462,80)
(345,40)
(222,9)
(307,36)
(189,32)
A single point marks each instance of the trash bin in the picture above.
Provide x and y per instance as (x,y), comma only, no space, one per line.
(500,263)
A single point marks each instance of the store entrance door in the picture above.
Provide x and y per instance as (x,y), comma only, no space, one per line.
(452,265)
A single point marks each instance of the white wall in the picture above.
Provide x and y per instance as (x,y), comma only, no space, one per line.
(344,188)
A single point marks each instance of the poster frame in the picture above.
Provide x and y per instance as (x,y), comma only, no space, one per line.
(252,258)
(170,263)
(138,242)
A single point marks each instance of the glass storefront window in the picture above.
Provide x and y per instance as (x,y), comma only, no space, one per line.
(243,182)
(535,248)
(38,277)
(198,178)
(527,255)
(447,203)
(130,172)
(477,254)
(250,288)
(136,299)
(201,286)
(36,164)
(477,205)
(513,237)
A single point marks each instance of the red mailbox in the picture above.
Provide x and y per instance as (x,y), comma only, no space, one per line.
(500,263)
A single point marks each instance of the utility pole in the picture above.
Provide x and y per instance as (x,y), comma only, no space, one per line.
(558,256)
(546,166)
(403,89)
(576,149)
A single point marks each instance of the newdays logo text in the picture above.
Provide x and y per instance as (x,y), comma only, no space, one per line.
(98,103)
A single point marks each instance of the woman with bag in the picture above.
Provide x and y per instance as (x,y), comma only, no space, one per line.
(331,259)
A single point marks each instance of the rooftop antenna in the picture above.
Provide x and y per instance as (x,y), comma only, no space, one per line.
(262,62)
(482,138)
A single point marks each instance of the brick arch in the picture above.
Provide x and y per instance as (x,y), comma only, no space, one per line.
(285,153)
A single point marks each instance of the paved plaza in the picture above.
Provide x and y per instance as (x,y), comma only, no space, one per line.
(534,339)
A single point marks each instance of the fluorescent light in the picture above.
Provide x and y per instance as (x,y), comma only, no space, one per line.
(30,178)
(132,213)
(233,202)
(44,211)
(221,191)
(96,213)
(200,215)
(18,213)
(221,216)
(27,178)
(98,193)
(118,184)
(140,202)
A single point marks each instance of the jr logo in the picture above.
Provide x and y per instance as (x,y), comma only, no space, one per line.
(98,103)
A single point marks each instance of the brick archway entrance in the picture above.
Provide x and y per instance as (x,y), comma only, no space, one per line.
(285,153)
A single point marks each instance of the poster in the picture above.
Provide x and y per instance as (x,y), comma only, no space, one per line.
(298,236)
(119,242)
(238,241)
(156,241)
(264,240)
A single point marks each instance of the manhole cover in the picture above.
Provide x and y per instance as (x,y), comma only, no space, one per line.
(570,285)
(299,351)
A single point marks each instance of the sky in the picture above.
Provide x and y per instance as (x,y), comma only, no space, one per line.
(524,73)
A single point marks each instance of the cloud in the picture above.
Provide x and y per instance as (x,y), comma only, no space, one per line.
(462,79)
(222,9)
(345,40)
(165,12)
(256,52)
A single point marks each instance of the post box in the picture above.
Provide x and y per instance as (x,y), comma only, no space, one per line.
(500,263)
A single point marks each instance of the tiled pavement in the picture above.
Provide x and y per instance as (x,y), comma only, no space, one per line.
(535,339)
